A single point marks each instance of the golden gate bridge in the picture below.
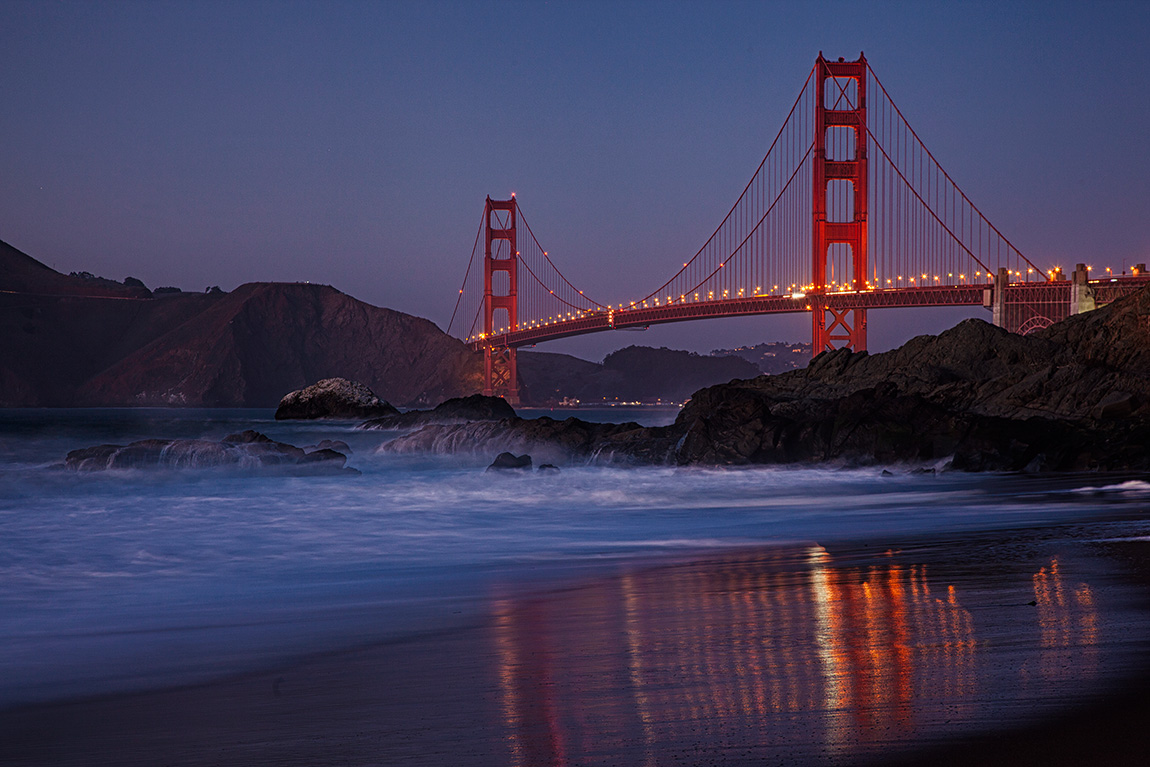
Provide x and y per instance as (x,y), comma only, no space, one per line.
(847,212)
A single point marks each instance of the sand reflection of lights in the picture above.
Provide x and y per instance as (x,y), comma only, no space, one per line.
(1068,625)
(776,649)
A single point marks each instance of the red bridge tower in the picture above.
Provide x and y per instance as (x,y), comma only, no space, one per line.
(840,104)
(500,373)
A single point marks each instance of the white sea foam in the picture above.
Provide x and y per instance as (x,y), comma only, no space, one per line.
(1133,487)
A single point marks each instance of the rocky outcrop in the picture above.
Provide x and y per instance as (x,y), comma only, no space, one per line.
(333,398)
(1075,396)
(456,410)
(245,450)
(545,438)
(510,462)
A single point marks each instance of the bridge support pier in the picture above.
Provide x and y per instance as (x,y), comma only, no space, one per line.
(1081,292)
(994,298)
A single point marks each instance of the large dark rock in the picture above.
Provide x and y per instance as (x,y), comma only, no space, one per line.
(1072,397)
(550,440)
(510,461)
(458,410)
(333,398)
(246,450)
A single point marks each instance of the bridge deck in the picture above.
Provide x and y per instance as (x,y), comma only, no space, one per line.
(1057,293)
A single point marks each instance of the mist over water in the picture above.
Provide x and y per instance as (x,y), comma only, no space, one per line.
(129,579)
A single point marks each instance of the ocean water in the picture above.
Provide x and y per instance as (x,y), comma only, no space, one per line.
(133,579)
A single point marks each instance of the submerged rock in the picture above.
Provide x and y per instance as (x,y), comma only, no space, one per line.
(248,449)
(458,410)
(333,398)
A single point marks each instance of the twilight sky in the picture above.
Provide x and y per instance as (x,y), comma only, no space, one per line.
(203,143)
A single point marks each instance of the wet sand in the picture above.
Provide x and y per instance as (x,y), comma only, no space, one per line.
(904,654)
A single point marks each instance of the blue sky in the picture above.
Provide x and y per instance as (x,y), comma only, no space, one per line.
(203,143)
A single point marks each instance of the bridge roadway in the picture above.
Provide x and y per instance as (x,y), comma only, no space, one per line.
(1052,293)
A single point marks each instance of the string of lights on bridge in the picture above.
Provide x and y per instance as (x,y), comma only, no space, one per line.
(793,291)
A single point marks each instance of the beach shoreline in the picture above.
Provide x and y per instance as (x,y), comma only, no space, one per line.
(525,685)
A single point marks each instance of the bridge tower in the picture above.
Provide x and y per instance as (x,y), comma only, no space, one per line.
(840,104)
(500,372)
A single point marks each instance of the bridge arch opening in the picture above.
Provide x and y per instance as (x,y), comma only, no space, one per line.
(840,201)
(841,141)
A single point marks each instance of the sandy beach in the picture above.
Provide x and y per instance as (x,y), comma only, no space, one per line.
(1012,649)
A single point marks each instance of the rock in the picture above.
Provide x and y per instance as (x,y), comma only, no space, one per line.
(549,440)
(505,461)
(337,445)
(1116,404)
(333,398)
(458,410)
(548,467)
(246,437)
(247,450)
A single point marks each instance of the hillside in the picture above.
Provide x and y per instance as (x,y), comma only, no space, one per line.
(773,357)
(263,340)
(634,373)
(67,341)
